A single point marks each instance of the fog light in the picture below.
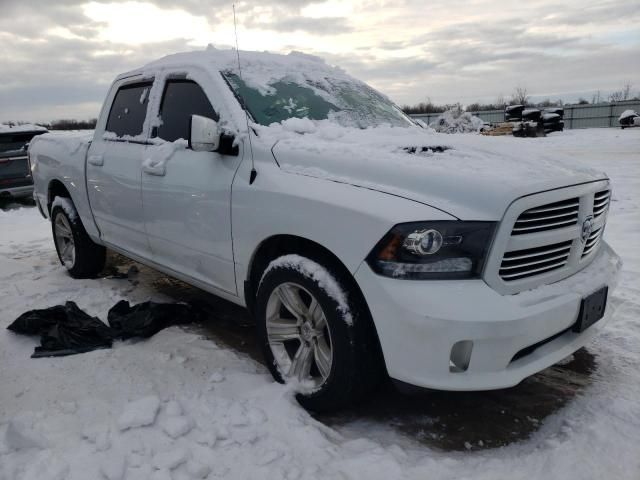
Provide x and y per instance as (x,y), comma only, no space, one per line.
(460,356)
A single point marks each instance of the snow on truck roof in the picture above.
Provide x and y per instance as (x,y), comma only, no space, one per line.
(258,68)
(275,87)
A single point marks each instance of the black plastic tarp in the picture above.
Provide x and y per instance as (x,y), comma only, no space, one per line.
(66,329)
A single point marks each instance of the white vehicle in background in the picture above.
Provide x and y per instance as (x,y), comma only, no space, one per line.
(363,244)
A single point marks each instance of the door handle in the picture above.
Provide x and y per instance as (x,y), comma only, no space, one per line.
(97,160)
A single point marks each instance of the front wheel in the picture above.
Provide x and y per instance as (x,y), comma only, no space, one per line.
(77,252)
(314,333)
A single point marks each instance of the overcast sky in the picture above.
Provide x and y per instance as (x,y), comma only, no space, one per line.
(58,57)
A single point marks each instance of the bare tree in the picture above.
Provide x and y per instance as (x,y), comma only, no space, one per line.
(424,107)
(596,98)
(520,96)
(621,95)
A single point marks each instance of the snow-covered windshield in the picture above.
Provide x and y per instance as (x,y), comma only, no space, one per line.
(350,104)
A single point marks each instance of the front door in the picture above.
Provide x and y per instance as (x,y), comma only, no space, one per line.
(114,164)
(186,194)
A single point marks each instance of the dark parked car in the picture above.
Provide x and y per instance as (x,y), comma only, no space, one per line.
(15,174)
(628,119)
(535,122)
(553,119)
(513,113)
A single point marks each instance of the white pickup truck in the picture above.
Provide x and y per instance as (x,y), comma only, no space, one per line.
(363,244)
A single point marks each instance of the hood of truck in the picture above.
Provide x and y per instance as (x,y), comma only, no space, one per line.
(471,177)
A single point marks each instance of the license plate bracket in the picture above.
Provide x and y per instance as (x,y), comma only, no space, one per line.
(591,309)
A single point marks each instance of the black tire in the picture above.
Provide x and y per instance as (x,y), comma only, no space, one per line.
(89,258)
(356,366)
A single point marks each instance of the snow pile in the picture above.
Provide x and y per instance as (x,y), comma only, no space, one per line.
(139,413)
(457,121)
(159,154)
(298,125)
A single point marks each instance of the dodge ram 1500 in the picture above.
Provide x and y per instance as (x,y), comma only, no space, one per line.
(363,244)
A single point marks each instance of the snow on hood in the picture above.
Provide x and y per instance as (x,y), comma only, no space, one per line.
(469,176)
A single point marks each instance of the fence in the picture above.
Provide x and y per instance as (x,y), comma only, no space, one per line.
(575,116)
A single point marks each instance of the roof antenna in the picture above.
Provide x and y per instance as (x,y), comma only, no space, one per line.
(253,174)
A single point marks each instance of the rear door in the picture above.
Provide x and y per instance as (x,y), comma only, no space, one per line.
(187,202)
(114,164)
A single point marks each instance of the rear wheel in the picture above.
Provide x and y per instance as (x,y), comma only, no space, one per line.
(315,334)
(77,252)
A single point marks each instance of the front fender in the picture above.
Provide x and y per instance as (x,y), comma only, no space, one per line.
(346,220)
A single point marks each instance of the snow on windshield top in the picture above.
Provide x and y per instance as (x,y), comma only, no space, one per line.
(259,69)
(276,87)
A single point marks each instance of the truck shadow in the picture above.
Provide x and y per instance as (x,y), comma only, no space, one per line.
(443,420)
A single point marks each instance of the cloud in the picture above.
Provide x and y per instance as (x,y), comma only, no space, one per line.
(59,62)
(318,26)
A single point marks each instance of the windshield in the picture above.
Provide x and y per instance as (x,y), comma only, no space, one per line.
(349,103)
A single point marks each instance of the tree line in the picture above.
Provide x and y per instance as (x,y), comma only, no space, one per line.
(520,96)
(63,124)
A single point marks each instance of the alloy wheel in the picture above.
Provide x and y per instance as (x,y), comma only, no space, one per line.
(299,335)
(64,241)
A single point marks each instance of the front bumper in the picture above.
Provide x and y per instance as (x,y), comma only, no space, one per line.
(418,322)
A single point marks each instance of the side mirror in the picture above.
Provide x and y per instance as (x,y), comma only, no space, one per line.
(204,134)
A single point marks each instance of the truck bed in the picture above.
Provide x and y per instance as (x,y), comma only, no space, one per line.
(61,156)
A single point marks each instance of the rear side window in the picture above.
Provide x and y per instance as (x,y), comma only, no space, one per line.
(181,99)
(129,109)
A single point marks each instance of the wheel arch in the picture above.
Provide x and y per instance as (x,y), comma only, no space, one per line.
(277,245)
(56,188)
(282,244)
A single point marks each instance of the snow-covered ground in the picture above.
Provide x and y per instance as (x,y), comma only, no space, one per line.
(184,405)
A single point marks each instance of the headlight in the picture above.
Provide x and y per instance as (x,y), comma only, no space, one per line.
(433,250)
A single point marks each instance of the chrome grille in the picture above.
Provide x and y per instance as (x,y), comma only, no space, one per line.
(534,261)
(591,245)
(601,202)
(551,216)
(541,238)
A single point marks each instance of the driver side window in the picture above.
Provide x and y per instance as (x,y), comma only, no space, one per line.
(180,100)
